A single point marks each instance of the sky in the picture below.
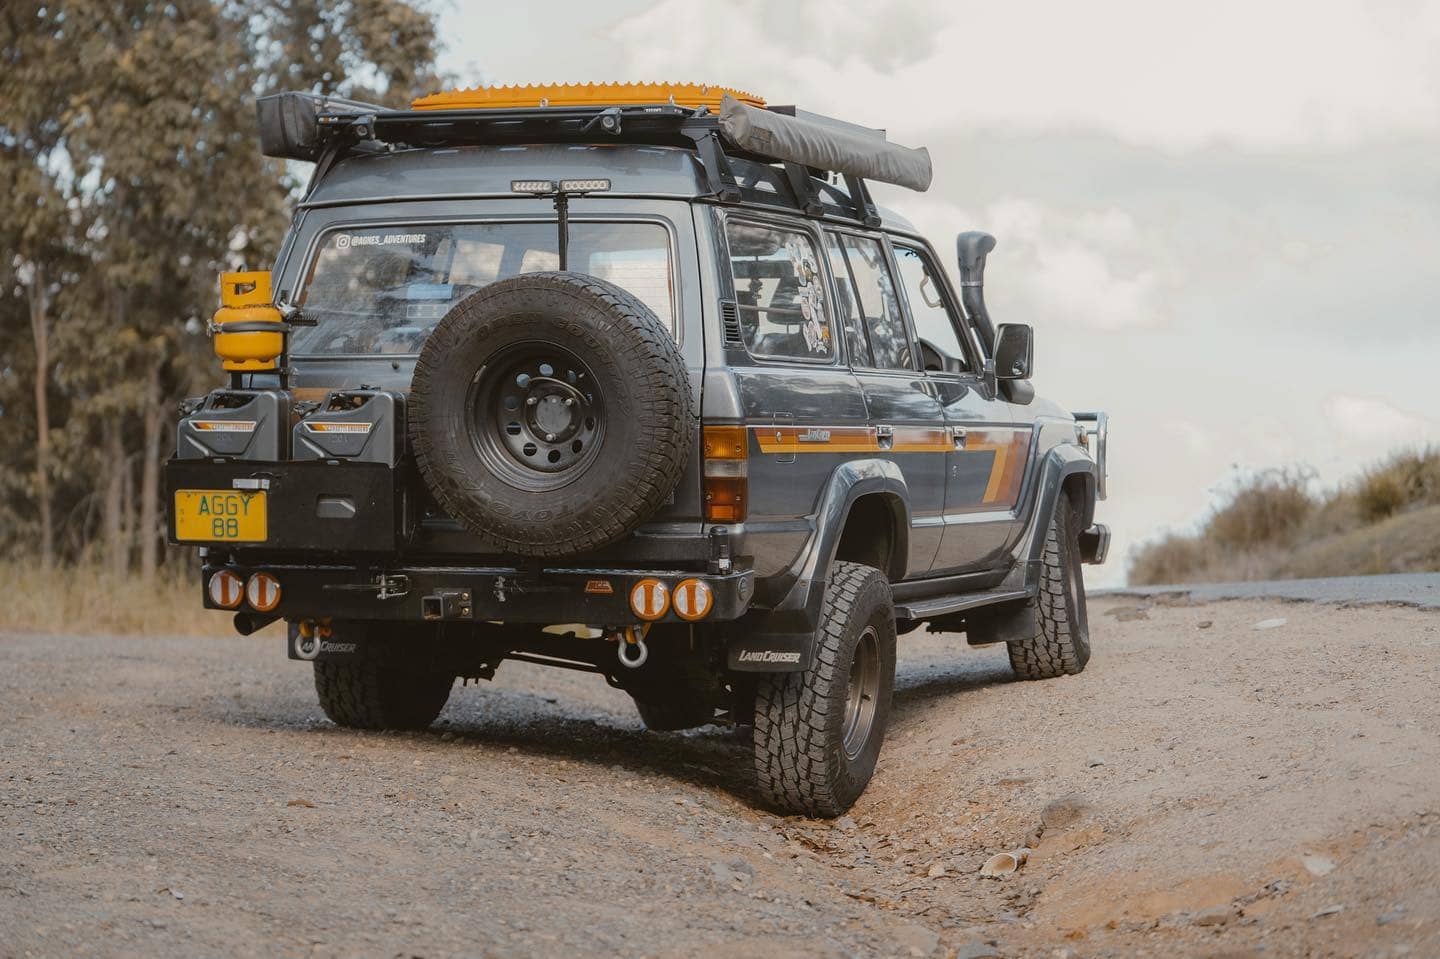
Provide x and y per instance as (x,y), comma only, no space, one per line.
(1222,219)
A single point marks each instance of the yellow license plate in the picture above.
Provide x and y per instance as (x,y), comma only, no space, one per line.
(226,515)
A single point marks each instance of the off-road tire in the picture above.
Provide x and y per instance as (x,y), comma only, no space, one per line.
(643,388)
(368,694)
(663,714)
(1061,643)
(801,765)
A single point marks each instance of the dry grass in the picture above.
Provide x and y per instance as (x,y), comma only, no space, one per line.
(85,600)
(1271,526)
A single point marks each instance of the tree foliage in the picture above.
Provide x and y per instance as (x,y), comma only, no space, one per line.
(128,148)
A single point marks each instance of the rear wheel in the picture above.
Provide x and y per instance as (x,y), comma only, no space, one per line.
(1060,644)
(368,694)
(818,732)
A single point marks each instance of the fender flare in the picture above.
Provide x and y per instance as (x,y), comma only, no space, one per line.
(1058,467)
(789,627)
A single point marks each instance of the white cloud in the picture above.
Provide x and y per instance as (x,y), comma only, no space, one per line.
(1281,74)
(1376,423)
(1094,269)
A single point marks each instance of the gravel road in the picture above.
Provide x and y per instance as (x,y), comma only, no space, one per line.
(1403,589)
(1207,787)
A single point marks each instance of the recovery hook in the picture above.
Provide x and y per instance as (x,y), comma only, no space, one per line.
(633,638)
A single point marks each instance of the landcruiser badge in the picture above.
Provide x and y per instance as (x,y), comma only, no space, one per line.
(814,436)
(768,656)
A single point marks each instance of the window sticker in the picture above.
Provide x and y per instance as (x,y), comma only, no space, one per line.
(346,241)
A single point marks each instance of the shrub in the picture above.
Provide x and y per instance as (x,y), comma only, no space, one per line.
(1174,558)
(1265,509)
(1407,480)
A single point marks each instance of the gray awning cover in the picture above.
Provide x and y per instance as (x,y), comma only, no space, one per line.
(827,147)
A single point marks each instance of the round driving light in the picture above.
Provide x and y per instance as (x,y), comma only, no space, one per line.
(649,599)
(262,592)
(693,600)
(226,589)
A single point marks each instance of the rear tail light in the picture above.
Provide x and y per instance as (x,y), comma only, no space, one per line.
(727,469)
(650,599)
(262,592)
(693,600)
(226,589)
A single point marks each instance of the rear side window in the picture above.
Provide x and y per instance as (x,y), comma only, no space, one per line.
(383,289)
(868,273)
(779,291)
(857,345)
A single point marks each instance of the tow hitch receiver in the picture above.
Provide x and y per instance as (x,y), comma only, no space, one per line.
(446,604)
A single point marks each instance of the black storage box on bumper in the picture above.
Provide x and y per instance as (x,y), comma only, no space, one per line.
(316,506)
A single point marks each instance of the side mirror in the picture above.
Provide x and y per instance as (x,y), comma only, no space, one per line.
(1014,352)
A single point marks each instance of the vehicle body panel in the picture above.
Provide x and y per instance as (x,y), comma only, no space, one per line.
(967,477)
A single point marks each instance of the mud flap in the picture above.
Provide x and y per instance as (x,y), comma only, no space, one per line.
(770,652)
(1002,623)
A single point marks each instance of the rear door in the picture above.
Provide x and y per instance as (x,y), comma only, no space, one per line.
(800,401)
(988,452)
(906,417)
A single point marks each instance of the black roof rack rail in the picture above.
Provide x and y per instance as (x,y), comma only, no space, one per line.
(329,129)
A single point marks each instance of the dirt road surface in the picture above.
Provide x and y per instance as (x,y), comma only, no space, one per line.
(1205,788)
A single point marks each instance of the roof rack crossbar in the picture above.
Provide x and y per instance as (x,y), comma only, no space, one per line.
(718,174)
(865,210)
(805,195)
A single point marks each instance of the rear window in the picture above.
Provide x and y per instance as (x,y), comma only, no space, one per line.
(383,289)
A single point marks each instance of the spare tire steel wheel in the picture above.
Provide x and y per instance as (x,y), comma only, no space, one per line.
(550,413)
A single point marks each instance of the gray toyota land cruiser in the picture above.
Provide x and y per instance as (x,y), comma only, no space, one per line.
(635,380)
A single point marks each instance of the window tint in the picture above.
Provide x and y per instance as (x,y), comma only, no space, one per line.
(929,311)
(779,291)
(848,305)
(382,290)
(879,305)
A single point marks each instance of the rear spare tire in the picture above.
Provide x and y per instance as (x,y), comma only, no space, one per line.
(550,413)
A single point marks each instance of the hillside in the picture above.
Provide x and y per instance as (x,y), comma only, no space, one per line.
(1272,526)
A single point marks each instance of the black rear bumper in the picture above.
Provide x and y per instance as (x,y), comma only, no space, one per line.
(482,593)
(343,541)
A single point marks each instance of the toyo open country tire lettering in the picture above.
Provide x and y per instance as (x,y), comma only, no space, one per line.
(818,732)
(1061,643)
(550,413)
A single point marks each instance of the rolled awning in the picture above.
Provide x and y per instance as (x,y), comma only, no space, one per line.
(826,147)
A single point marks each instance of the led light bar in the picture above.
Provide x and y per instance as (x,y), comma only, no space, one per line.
(532,186)
(584,186)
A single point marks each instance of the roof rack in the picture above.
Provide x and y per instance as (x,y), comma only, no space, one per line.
(302,126)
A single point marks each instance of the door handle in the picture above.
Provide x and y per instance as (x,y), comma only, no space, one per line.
(885,437)
(957,436)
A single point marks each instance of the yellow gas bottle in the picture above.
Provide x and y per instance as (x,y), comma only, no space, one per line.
(248,331)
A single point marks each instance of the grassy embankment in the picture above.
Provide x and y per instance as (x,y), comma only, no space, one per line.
(82,599)
(1272,526)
